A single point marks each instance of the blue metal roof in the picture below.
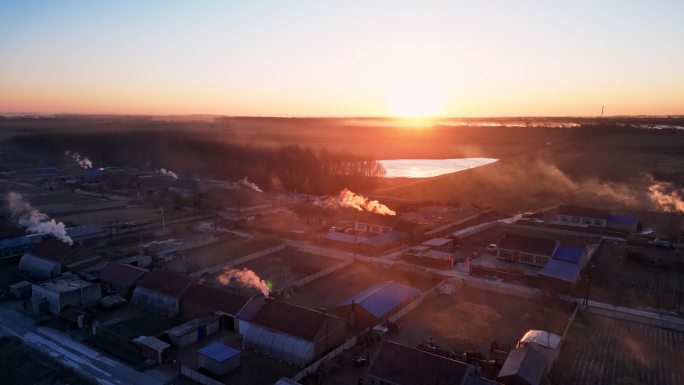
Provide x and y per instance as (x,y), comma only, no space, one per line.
(382,298)
(565,271)
(218,351)
(623,219)
(568,254)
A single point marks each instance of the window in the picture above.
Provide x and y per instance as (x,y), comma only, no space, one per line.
(526,258)
(575,219)
(542,261)
(563,218)
(598,222)
(505,254)
(586,221)
(375,229)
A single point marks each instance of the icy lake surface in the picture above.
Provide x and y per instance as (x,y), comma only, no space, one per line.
(425,168)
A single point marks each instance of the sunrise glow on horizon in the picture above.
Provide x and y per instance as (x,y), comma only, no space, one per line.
(385,58)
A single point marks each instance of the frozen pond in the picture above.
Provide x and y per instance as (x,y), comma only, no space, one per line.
(425,168)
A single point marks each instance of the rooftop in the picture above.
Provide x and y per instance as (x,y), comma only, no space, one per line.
(8,230)
(384,239)
(568,254)
(218,351)
(383,297)
(580,211)
(165,282)
(525,363)
(120,274)
(65,284)
(436,242)
(290,319)
(55,250)
(528,244)
(201,299)
(403,365)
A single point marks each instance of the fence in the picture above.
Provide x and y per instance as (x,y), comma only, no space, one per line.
(198,377)
(332,354)
(322,251)
(237,261)
(322,273)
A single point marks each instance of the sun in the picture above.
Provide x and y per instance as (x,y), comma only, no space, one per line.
(420,97)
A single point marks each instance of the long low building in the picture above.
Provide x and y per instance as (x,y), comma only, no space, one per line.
(525,249)
(289,333)
(50,257)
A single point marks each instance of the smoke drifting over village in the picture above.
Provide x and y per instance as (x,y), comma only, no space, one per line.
(667,198)
(81,161)
(34,221)
(244,277)
(170,173)
(252,186)
(349,199)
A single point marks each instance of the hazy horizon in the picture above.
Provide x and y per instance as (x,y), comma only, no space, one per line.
(446,59)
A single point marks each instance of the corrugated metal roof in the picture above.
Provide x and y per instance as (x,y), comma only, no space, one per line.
(524,363)
(218,351)
(568,254)
(120,274)
(565,271)
(623,219)
(382,298)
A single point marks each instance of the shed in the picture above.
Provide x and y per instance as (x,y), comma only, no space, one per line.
(120,277)
(193,330)
(56,294)
(160,291)
(49,257)
(523,366)
(289,333)
(218,358)
(153,348)
(376,304)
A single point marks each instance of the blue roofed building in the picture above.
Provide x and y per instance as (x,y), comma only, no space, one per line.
(627,223)
(218,358)
(565,266)
(376,304)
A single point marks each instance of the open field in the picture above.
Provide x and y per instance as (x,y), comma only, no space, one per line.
(329,291)
(472,318)
(619,281)
(606,351)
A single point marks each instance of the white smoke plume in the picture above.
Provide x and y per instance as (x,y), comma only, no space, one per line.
(170,173)
(34,221)
(358,202)
(667,198)
(245,182)
(81,161)
(245,277)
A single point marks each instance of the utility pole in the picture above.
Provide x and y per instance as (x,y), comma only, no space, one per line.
(602,107)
